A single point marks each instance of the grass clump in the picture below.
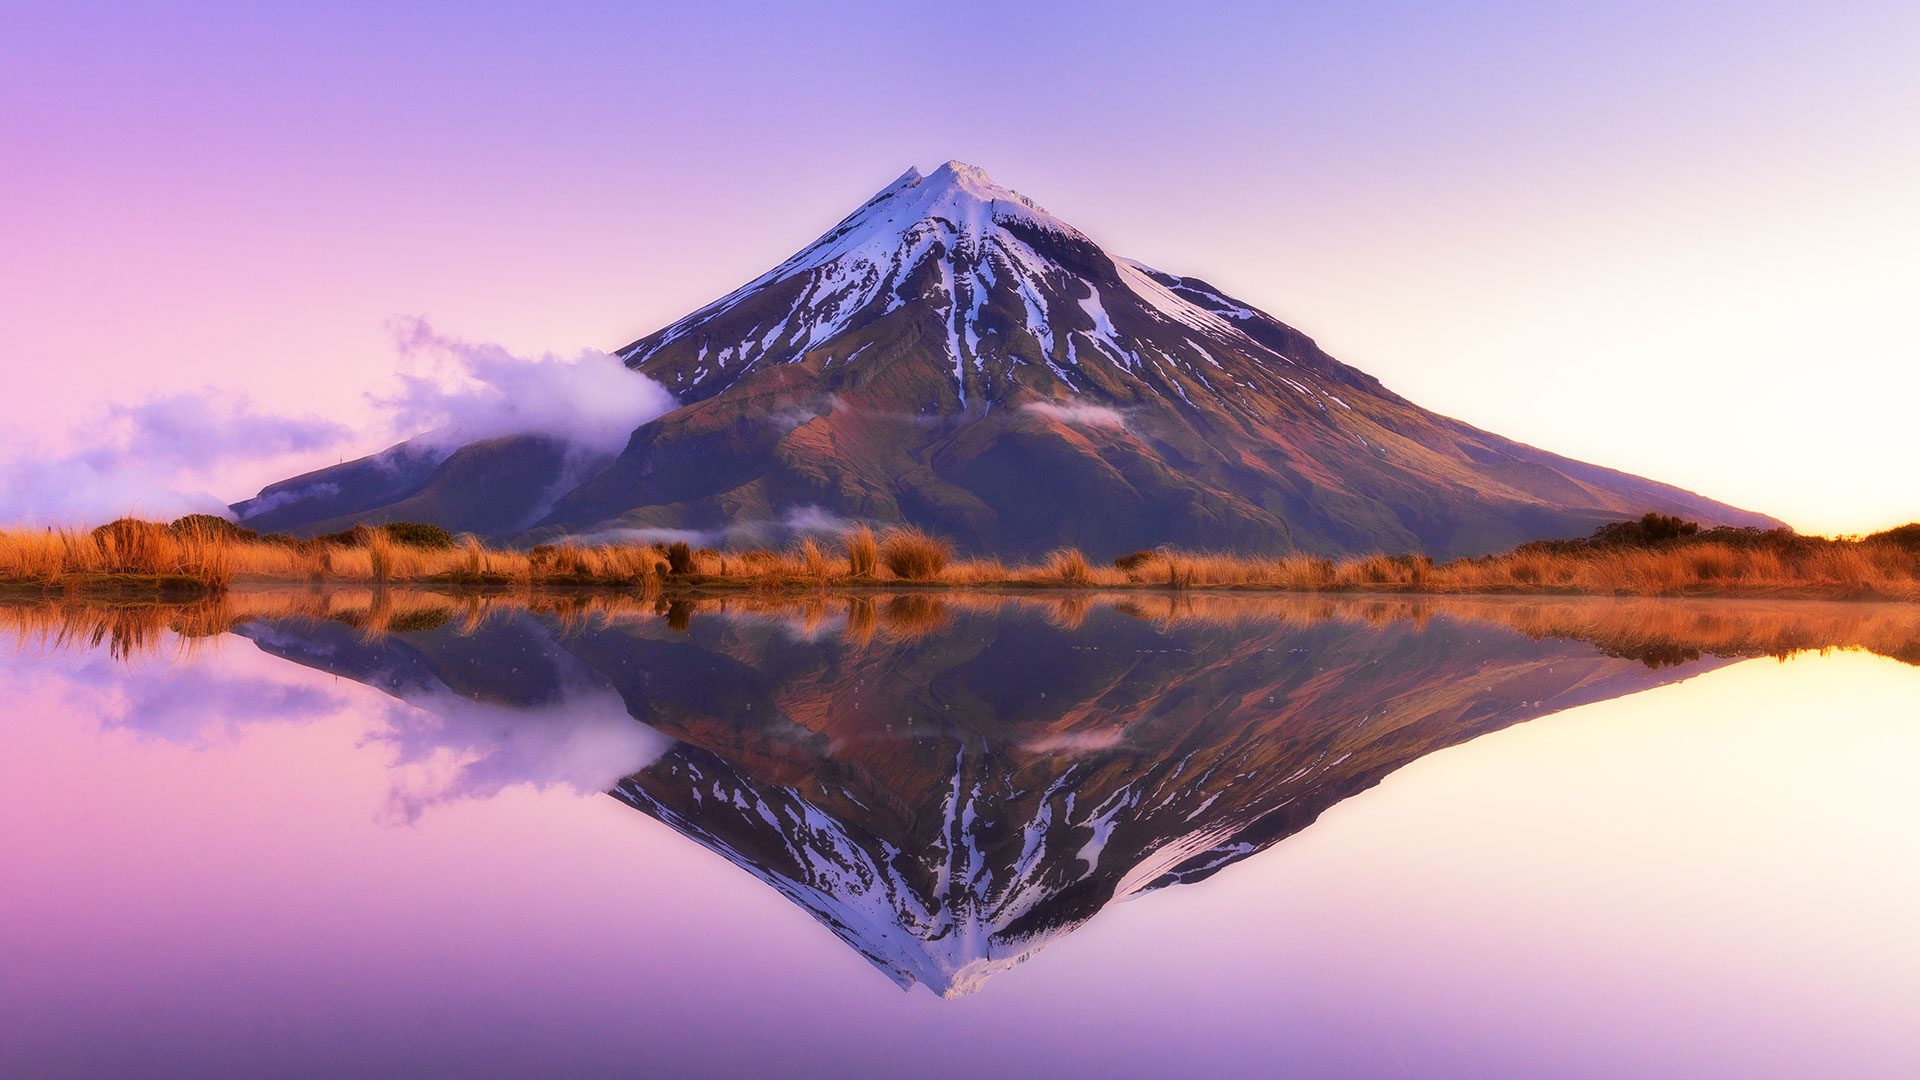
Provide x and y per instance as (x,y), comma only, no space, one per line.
(912,555)
(380,555)
(132,546)
(810,562)
(1069,566)
(863,552)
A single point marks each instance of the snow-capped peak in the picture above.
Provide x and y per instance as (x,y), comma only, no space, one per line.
(953,240)
(958,184)
(957,202)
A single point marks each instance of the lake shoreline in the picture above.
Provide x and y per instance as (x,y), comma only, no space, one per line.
(109,587)
(1652,557)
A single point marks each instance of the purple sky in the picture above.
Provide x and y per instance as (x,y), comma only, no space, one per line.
(1678,239)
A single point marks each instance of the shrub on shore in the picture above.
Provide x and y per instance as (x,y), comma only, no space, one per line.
(1139,565)
(1650,529)
(415,534)
(411,534)
(679,558)
(1905,537)
(350,538)
(210,525)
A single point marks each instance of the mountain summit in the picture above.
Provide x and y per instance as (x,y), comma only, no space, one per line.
(1013,287)
(953,356)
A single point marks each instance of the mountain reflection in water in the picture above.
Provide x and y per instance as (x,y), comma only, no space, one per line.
(950,782)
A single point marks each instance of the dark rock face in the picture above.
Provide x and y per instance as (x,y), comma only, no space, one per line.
(954,357)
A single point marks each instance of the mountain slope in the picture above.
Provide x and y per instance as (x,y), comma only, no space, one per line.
(953,356)
(491,487)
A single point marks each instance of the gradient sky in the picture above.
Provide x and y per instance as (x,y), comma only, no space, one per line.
(1678,239)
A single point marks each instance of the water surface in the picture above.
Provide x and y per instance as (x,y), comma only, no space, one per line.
(326,833)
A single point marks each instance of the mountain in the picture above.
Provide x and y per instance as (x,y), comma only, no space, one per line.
(955,357)
(491,487)
(956,791)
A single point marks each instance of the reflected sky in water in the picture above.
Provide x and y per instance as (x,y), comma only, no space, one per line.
(393,853)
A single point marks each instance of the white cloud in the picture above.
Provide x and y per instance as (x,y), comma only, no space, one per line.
(1081,415)
(795,522)
(475,390)
(167,455)
(647,535)
(815,519)
(1074,743)
(155,457)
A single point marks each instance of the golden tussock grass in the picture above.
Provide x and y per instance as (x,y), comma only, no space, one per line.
(1068,566)
(912,555)
(1865,570)
(134,554)
(127,551)
(863,552)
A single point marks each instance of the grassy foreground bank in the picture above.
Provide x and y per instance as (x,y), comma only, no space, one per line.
(1652,557)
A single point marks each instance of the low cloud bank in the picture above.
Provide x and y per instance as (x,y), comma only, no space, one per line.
(475,390)
(165,455)
(1074,743)
(815,519)
(155,457)
(647,535)
(1081,415)
(795,522)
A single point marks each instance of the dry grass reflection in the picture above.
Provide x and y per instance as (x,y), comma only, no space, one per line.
(1657,631)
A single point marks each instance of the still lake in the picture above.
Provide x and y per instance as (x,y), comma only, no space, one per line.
(960,835)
